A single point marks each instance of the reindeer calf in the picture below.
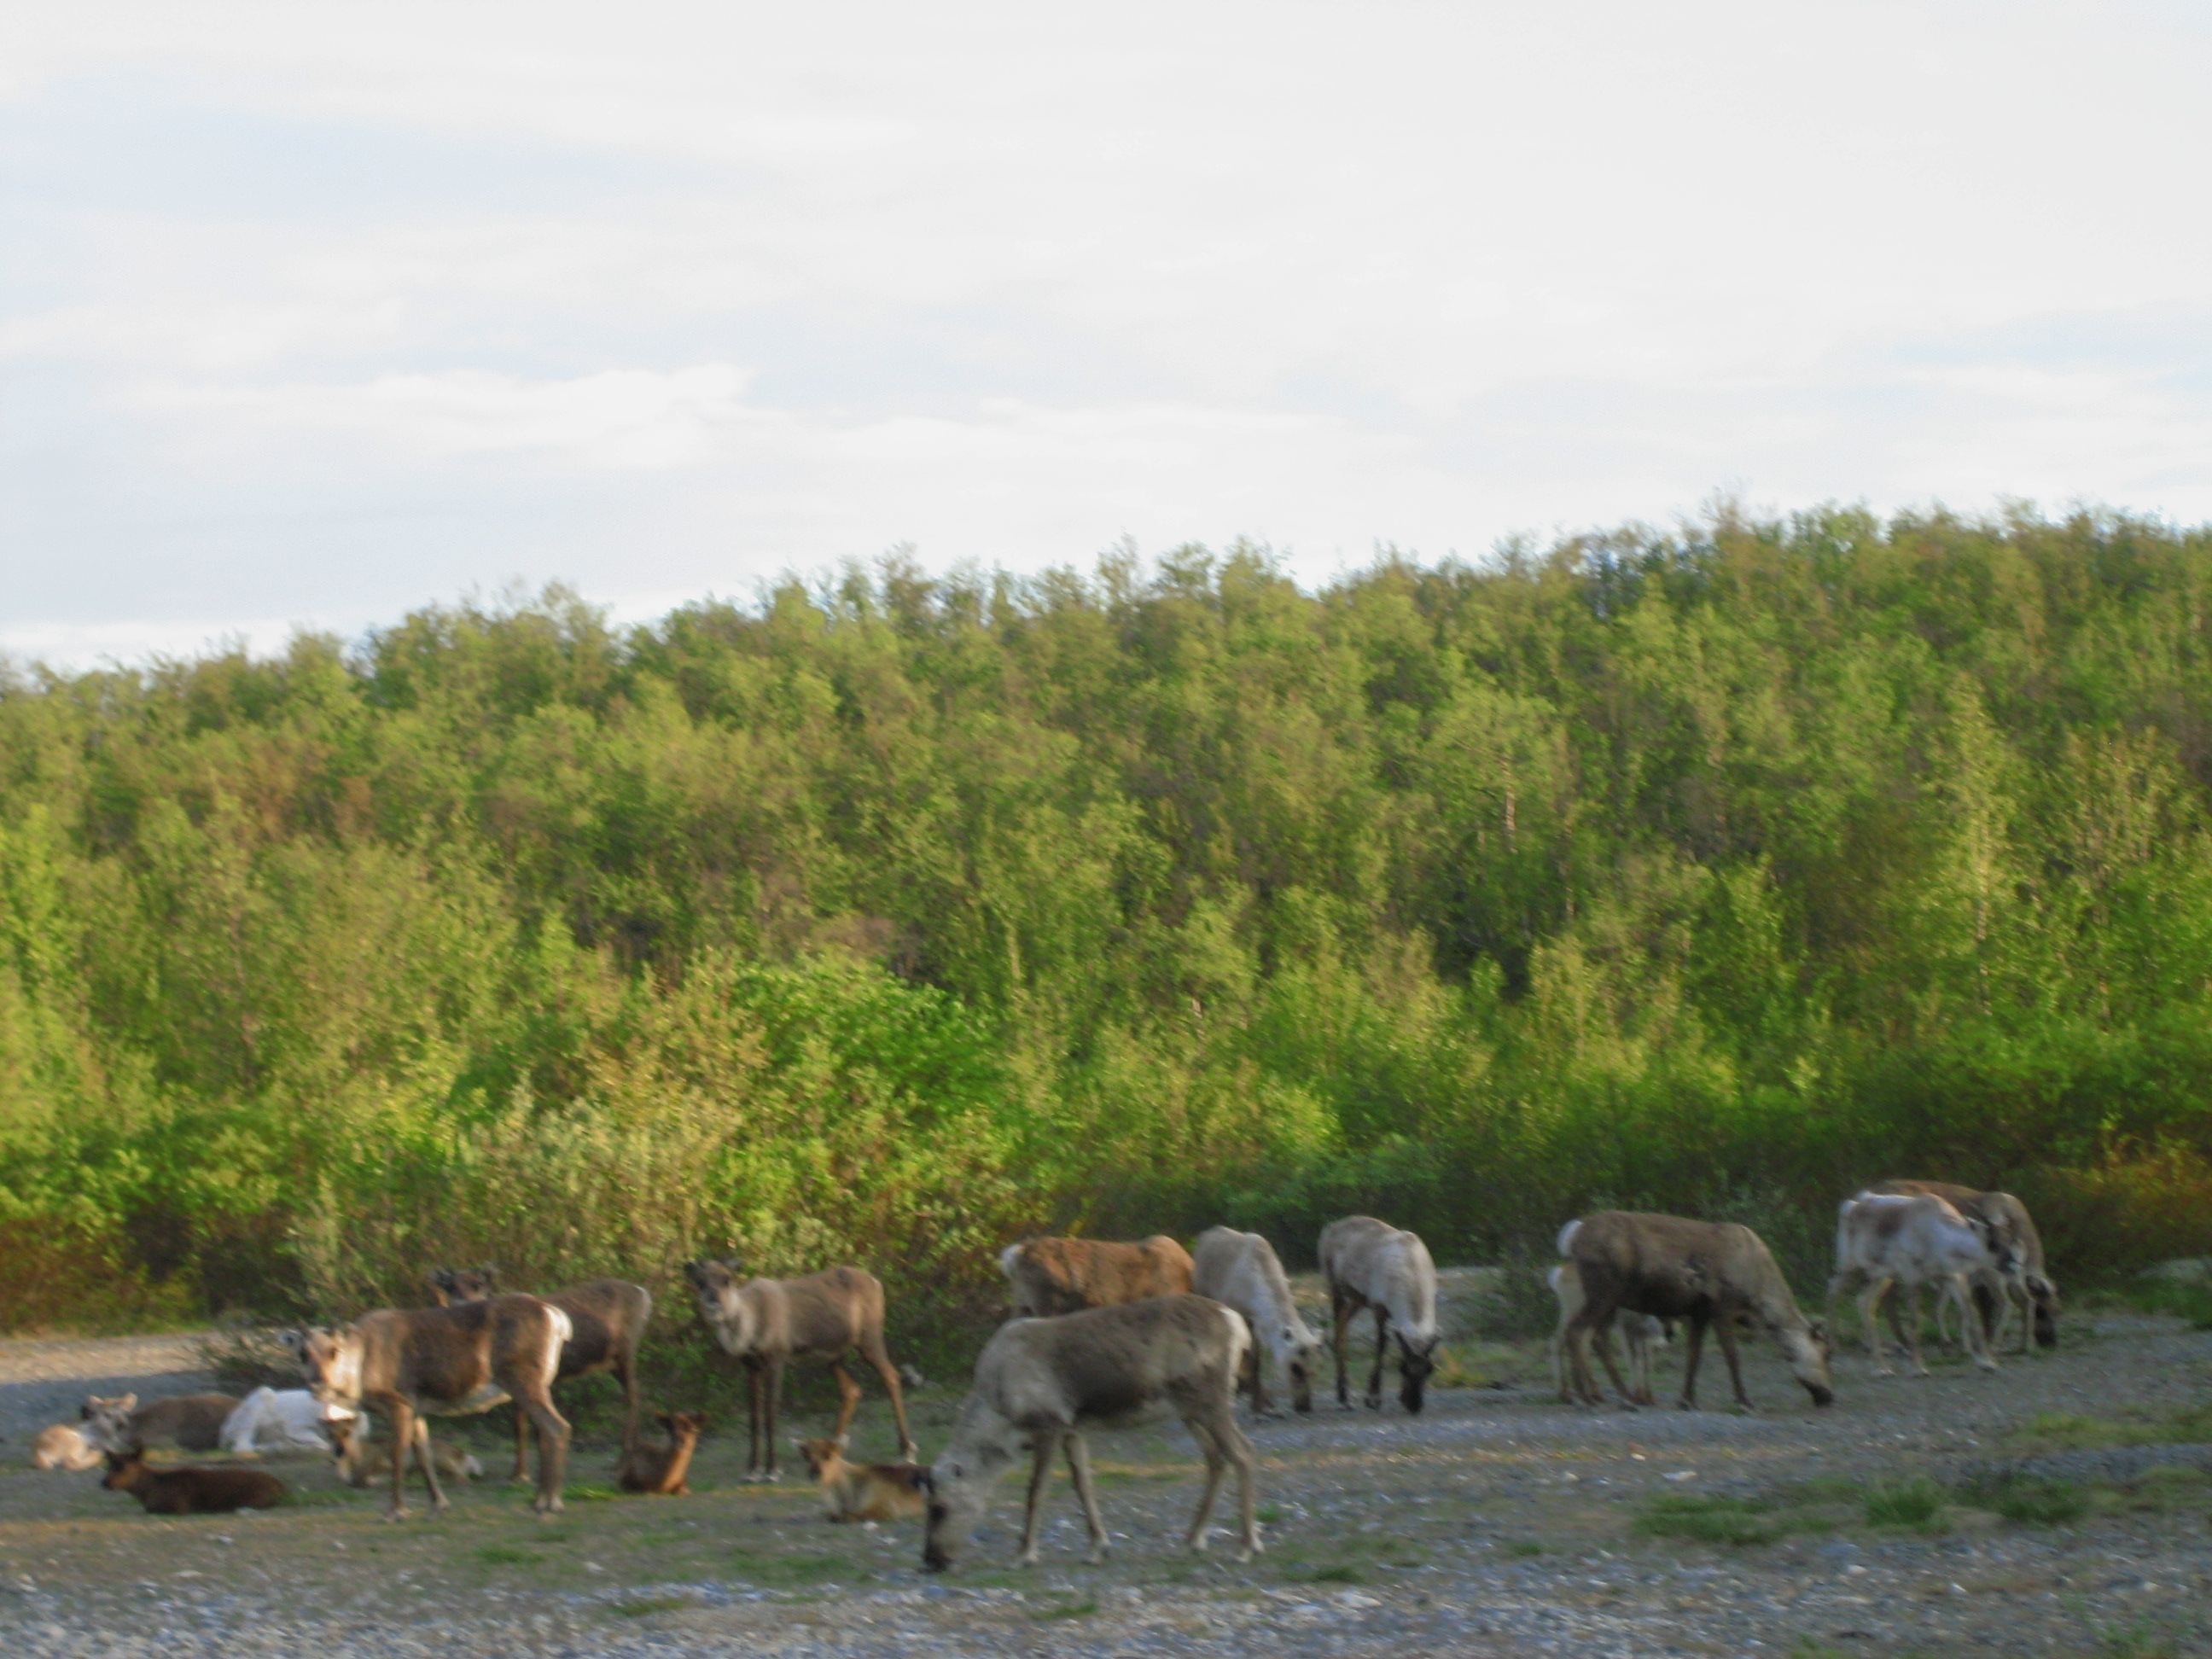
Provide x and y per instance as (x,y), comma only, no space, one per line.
(663,1470)
(864,1492)
(62,1447)
(193,1421)
(361,1460)
(191,1490)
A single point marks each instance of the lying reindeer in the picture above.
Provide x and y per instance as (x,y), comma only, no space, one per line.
(863,1491)
(362,1460)
(192,1421)
(63,1447)
(190,1490)
(277,1421)
(1041,1383)
(663,1470)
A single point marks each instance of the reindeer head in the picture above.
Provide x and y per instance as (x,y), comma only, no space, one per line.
(1305,1360)
(330,1362)
(126,1470)
(820,1454)
(720,1306)
(1807,1351)
(477,1284)
(107,1422)
(954,1499)
(1416,1360)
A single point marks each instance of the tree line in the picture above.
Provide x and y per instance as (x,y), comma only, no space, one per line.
(897,914)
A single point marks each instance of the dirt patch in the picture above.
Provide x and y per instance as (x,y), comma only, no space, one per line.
(1499,1523)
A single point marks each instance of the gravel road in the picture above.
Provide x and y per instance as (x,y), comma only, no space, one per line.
(1497,1523)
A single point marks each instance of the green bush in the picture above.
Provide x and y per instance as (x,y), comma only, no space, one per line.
(1916,1504)
(1708,1520)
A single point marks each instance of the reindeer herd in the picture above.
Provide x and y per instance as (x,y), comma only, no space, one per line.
(1103,1336)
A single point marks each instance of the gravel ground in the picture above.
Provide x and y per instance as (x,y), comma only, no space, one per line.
(1498,1523)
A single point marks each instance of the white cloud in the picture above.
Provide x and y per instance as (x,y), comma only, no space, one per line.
(736,285)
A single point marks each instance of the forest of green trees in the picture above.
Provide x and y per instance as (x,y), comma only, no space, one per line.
(897,915)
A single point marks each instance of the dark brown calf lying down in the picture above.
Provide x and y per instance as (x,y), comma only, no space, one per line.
(191,1490)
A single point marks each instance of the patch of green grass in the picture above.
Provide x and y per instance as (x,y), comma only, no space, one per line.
(768,1569)
(589,1494)
(1336,1572)
(1268,1514)
(1082,1609)
(2185,1298)
(1709,1519)
(318,1498)
(639,1607)
(1524,1547)
(506,1555)
(2140,1640)
(1916,1505)
(2029,1501)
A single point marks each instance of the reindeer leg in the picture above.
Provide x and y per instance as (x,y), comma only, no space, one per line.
(1078,1465)
(1043,1445)
(849,1400)
(1869,1321)
(552,1451)
(1381,1348)
(626,1365)
(401,1416)
(427,1463)
(1970,1323)
(1261,1405)
(521,1446)
(1692,1349)
(774,1392)
(1725,1327)
(752,1416)
(1912,1296)
(1340,1333)
(1217,1464)
(872,1344)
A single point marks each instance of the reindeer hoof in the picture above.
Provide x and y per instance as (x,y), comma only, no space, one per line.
(399,1512)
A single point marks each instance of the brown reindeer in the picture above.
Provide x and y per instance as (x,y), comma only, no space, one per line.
(190,1490)
(448,1362)
(192,1421)
(863,1491)
(1709,1273)
(663,1470)
(770,1323)
(1067,1275)
(607,1319)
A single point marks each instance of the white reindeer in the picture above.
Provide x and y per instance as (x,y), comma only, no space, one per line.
(275,1420)
(1908,1240)
(1371,1264)
(1241,1271)
(1041,1383)
(1640,1332)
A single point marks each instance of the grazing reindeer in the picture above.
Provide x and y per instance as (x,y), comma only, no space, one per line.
(664,1471)
(1065,1275)
(1041,1383)
(607,1319)
(62,1447)
(2012,1229)
(361,1462)
(193,1421)
(190,1490)
(1886,1239)
(768,1323)
(1241,1271)
(863,1491)
(1709,1273)
(448,1362)
(1371,1264)
(1641,1332)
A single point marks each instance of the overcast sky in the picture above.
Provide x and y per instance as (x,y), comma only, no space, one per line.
(311,314)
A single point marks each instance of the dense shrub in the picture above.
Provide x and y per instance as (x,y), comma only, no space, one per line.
(1715,872)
